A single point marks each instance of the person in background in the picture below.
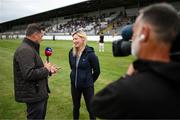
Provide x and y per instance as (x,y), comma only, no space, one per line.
(101,42)
(31,74)
(150,89)
(85,70)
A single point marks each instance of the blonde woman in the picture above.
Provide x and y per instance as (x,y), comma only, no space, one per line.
(85,70)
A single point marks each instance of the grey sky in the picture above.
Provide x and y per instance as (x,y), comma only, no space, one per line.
(13,9)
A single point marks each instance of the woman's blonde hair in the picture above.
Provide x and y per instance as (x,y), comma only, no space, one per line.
(81,34)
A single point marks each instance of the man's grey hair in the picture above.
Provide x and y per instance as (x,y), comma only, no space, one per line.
(164,19)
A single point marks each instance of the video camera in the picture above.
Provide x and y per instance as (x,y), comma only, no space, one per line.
(122,47)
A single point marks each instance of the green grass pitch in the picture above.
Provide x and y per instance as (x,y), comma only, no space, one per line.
(60,103)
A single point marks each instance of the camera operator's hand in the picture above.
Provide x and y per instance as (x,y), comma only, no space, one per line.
(131,70)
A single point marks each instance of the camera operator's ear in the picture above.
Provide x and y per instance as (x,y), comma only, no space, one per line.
(142,37)
(145,33)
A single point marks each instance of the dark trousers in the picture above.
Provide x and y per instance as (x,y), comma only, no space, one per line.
(88,94)
(36,110)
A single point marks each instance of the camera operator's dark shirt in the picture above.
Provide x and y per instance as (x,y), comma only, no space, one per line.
(152,92)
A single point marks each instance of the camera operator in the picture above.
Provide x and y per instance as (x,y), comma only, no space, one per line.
(151,87)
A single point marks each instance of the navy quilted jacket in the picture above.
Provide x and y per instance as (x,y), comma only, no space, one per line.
(87,71)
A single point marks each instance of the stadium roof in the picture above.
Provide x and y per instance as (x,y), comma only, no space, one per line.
(83,7)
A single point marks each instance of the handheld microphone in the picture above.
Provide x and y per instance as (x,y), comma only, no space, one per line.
(48,52)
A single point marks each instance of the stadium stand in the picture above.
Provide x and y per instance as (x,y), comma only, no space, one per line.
(93,16)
